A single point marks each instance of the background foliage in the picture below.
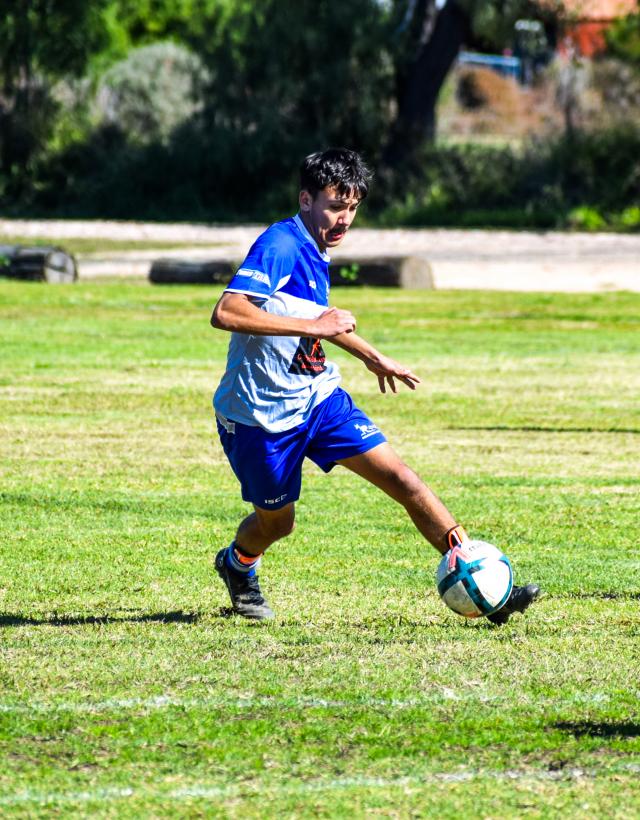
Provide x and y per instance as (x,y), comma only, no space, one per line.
(151,92)
(202,109)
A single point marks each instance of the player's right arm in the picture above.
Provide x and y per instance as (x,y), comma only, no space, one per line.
(237,313)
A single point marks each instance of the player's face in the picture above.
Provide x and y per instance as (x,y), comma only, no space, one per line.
(328,215)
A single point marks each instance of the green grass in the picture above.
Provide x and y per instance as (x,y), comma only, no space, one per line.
(127,691)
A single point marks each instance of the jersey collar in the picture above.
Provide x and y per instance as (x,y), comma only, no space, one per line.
(303,230)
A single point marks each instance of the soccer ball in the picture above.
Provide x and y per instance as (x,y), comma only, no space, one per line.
(474,579)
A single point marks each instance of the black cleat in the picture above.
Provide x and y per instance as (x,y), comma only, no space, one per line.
(244,592)
(519,600)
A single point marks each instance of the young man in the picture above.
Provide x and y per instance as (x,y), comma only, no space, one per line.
(279,400)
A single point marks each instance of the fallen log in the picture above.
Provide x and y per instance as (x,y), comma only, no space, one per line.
(412,272)
(38,264)
(185,272)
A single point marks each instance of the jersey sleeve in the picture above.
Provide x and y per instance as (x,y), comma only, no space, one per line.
(267,267)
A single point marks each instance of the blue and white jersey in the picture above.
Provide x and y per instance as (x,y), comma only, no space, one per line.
(274,382)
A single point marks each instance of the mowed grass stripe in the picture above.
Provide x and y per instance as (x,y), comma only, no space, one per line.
(259,702)
(205,791)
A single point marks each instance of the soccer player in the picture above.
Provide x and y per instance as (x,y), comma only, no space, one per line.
(280,399)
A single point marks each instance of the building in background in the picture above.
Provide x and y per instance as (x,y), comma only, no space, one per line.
(589,19)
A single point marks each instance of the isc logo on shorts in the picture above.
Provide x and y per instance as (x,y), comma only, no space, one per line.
(276,500)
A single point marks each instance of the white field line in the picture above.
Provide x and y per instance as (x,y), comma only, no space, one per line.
(204,791)
(247,702)
(160,702)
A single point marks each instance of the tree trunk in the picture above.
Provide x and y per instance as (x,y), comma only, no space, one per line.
(416,120)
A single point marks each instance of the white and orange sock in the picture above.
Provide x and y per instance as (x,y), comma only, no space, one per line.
(455,537)
(240,561)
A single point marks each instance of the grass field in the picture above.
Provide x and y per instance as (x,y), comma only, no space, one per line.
(126,690)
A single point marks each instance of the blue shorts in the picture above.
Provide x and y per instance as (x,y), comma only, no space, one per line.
(269,465)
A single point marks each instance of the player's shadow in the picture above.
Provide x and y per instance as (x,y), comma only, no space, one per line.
(609,729)
(83,620)
(604,596)
(177,617)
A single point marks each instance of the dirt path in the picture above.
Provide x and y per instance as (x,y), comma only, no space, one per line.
(503,260)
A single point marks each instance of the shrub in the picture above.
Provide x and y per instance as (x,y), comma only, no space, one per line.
(586,219)
(618,85)
(578,182)
(623,39)
(629,219)
(151,92)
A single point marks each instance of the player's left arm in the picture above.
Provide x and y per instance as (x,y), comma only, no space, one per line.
(386,369)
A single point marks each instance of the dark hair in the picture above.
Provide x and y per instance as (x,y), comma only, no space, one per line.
(338,168)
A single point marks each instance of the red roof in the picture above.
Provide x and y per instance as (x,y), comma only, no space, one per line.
(584,10)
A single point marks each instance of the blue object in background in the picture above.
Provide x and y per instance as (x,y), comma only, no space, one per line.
(509,66)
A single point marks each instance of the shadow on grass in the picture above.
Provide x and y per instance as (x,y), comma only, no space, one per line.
(177,617)
(601,595)
(83,620)
(589,728)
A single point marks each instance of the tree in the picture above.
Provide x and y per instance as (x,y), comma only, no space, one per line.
(146,22)
(623,39)
(433,42)
(432,35)
(285,76)
(41,41)
(288,76)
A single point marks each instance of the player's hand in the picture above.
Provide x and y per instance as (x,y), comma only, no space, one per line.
(333,322)
(387,370)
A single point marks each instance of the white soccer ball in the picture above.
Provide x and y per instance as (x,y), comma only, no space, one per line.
(474,579)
